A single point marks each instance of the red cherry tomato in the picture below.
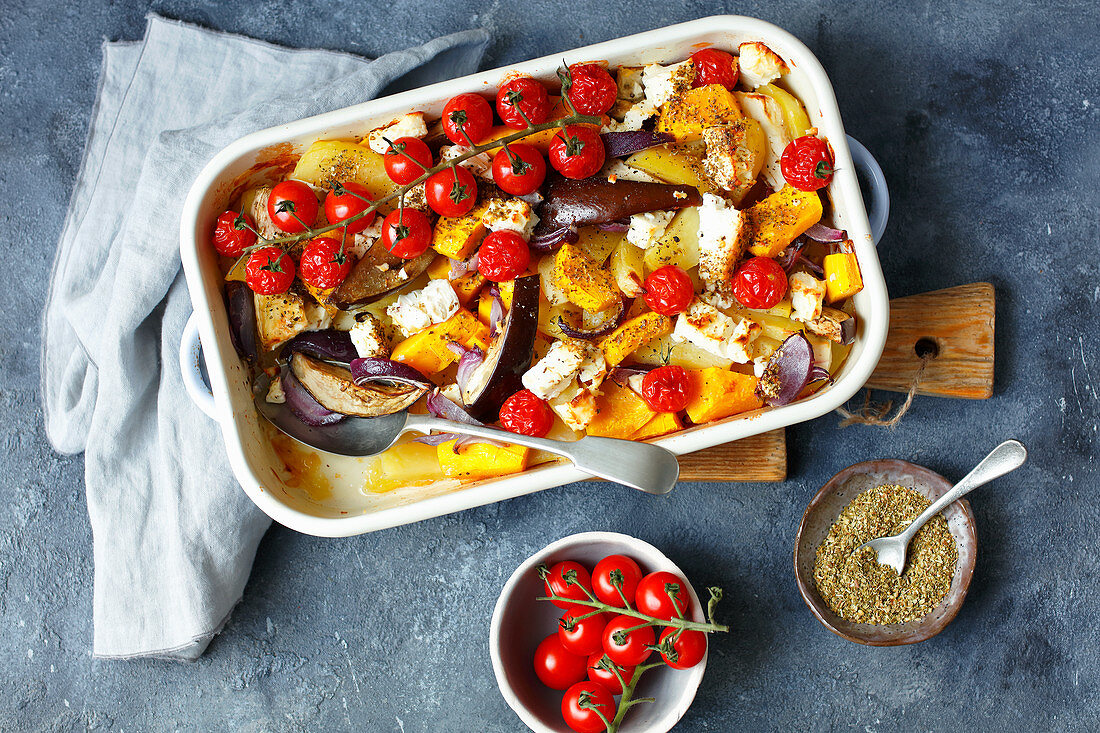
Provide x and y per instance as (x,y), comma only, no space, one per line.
(469,114)
(526,414)
(581,635)
(520,174)
(324,263)
(348,204)
(628,575)
(653,597)
(596,673)
(292,206)
(630,648)
(230,241)
(503,256)
(807,163)
(593,91)
(668,290)
(578,153)
(451,191)
(406,159)
(528,96)
(760,283)
(556,583)
(688,648)
(665,389)
(578,703)
(406,233)
(269,271)
(714,67)
(556,667)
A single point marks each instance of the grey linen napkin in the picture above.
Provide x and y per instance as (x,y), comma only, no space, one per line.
(174,535)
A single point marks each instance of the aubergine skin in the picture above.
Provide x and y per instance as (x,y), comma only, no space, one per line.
(574,203)
(511,354)
(366,283)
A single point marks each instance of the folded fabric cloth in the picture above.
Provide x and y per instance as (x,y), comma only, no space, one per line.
(174,535)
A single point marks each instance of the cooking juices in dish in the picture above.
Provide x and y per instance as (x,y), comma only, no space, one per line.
(626,254)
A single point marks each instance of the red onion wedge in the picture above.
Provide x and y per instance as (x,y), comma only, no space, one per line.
(622,144)
(788,372)
(302,404)
(547,240)
(459,268)
(621,375)
(375,369)
(440,406)
(822,233)
(496,311)
(470,361)
(604,323)
(241,309)
(330,345)
(619,226)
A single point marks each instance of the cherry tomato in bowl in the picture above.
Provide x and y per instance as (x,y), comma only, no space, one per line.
(569,580)
(557,667)
(579,635)
(406,159)
(760,283)
(688,647)
(598,672)
(580,703)
(655,594)
(615,580)
(626,645)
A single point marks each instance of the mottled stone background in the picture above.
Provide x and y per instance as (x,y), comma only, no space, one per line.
(985,120)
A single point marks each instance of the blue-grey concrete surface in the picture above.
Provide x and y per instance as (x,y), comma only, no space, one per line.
(984,116)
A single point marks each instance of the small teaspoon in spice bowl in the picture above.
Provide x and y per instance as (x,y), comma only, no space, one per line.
(1006,457)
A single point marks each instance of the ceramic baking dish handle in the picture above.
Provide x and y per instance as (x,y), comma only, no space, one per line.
(870,173)
(191,369)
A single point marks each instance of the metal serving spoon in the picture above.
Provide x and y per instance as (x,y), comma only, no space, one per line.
(1006,457)
(641,466)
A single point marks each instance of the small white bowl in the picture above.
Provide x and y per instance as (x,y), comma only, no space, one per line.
(520,623)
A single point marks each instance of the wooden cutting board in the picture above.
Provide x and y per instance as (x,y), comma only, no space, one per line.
(954,326)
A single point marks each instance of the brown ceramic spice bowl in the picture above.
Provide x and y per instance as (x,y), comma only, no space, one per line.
(836,494)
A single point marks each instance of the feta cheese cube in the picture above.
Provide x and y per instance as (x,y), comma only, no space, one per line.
(807,296)
(481,165)
(593,369)
(362,241)
(514,215)
(575,406)
(708,328)
(407,125)
(368,337)
(647,228)
(759,64)
(555,371)
(722,234)
(633,117)
(728,161)
(420,309)
(663,83)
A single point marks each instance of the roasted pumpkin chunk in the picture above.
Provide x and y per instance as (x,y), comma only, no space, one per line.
(716,393)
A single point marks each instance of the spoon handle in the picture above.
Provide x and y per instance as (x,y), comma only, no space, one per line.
(641,466)
(1006,457)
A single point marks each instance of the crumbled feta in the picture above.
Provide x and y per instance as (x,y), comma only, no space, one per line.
(633,117)
(807,296)
(275,393)
(759,364)
(620,171)
(420,309)
(575,406)
(368,337)
(720,295)
(629,81)
(722,233)
(408,125)
(767,112)
(647,228)
(555,371)
(728,161)
(708,328)
(481,165)
(417,198)
(593,369)
(362,241)
(514,215)
(663,83)
(758,64)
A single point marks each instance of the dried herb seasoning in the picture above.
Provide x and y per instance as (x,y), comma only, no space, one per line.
(857,587)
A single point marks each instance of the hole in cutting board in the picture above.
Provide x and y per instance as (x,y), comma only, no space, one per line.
(926,347)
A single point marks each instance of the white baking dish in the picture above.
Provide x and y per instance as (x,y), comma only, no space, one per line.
(348,510)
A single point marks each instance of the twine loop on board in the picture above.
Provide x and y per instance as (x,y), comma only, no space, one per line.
(876,415)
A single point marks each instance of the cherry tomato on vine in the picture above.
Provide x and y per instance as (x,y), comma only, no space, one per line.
(402,158)
(503,256)
(714,67)
(593,91)
(451,191)
(689,647)
(469,114)
(634,647)
(324,263)
(577,152)
(520,174)
(596,673)
(556,583)
(582,636)
(526,414)
(230,241)
(348,204)
(666,388)
(292,206)
(577,707)
(529,96)
(653,597)
(602,584)
(807,163)
(556,667)
(269,271)
(760,283)
(668,290)
(406,233)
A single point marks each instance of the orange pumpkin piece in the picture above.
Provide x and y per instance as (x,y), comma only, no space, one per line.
(621,412)
(663,424)
(481,460)
(427,351)
(718,393)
